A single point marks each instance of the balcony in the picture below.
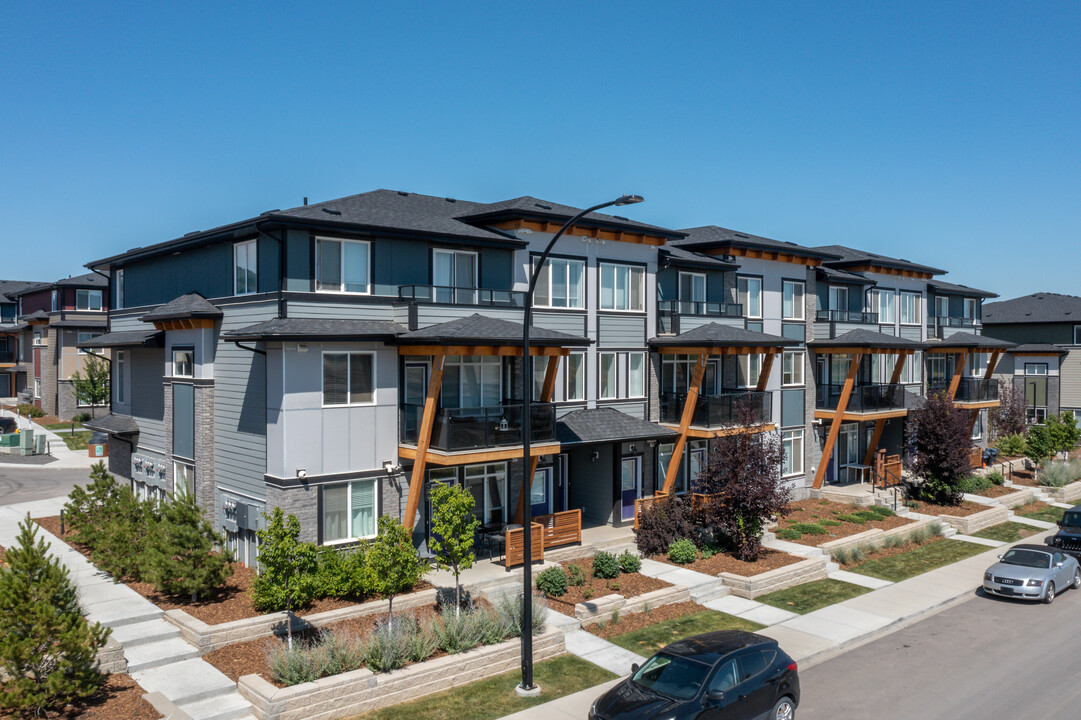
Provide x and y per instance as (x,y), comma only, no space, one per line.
(463,429)
(938,326)
(447,295)
(970,390)
(8,357)
(669,312)
(718,411)
(847,316)
(864,398)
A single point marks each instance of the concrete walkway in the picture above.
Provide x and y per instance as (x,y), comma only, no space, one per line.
(65,457)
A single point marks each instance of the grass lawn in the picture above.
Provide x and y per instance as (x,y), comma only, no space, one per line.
(62,426)
(1049,514)
(811,596)
(494,697)
(1006,532)
(650,639)
(77,440)
(919,560)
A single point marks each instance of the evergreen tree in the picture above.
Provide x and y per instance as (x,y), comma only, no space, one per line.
(181,558)
(88,510)
(393,562)
(91,385)
(287,567)
(453,530)
(48,650)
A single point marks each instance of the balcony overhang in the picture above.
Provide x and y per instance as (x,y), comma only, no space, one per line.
(470,457)
(962,342)
(977,404)
(704,433)
(480,335)
(857,415)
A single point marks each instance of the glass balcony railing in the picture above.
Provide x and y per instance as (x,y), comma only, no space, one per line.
(864,398)
(847,316)
(447,295)
(7,357)
(717,411)
(456,429)
(969,389)
(939,325)
(669,311)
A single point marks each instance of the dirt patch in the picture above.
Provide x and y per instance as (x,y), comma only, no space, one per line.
(815,511)
(1023,477)
(886,552)
(723,562)
(637,621)
(627,585)
(966,508)
(120,697)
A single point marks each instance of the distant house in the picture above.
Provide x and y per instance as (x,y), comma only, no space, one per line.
(13,366)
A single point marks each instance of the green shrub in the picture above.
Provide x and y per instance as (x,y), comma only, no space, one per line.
(181,557)
(976,484)
(935,528)
(629,562)
(457,631)
(30,410)
(1011,445)
(552,582)
(881,510)
(682,552)
(343,574)
(1058,474)
(852,518)
(829,523)
(920,536)
(389,646)
(807,528)
(587,593)
(615,616)
(996,478)
(788,534)
(858,553)
(510,608)
(423,643)
(912,504)
(82,417)
(605,565)
(576,576)
(287,566)
(492,626)
(892,541)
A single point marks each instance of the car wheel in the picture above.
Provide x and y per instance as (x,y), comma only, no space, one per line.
(1076,578)
(783,710)
(1049,596)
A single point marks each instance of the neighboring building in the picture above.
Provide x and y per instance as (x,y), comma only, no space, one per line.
(55,318)
(13,366)
(1046,364)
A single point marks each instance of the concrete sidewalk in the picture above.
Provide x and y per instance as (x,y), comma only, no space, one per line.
(65,457)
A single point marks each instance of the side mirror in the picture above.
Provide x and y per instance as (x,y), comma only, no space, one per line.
(634,668)
(715,695)
(999,557)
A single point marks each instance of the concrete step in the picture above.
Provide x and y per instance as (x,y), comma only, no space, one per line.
(157,654)
(711,591)
(187,681)
(948,531)
(123,611)
(832,567)
(224,707)
(144,633)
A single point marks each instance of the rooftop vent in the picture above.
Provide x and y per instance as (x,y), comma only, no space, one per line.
(741,235)
(450,200)
(620,217)
(543,207)
(332,211)
(193,232)
(403,193)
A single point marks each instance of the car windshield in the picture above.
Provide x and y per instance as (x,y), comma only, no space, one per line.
(671,675)
(1027,558)
(1072,519)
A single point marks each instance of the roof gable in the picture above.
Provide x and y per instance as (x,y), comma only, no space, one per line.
(1035,308)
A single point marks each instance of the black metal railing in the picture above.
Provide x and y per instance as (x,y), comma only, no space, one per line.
(7,356)
(447,295)
(716,411)
(864,398)
(969,389)
(937,325)
(847,316)
(669,312)
(478,427)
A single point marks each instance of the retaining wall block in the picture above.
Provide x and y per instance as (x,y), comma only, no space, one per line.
(784,577)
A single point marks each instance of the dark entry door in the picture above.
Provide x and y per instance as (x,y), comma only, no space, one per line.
(630,485)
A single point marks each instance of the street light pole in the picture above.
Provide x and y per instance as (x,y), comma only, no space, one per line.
(527,482)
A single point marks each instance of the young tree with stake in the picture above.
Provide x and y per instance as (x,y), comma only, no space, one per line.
(453,529)
(287,567)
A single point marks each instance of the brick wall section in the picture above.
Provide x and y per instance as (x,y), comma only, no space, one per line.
(1053,388)
(66,405)
(168,425)
(204,450)
(393,495)
(302,501)
(119,457)
(49,370)
(654,387)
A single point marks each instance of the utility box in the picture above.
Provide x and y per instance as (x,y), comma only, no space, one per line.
(26,442)
(98,450)
(39,443)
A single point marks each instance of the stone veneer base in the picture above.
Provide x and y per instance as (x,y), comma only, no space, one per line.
(752,586)
(593,611)
(1066,494)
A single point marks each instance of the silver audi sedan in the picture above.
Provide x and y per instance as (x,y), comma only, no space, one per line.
(1032,572)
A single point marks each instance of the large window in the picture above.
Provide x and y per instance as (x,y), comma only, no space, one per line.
(793,300)
(749,290)
(692,292)
(912,372)
(82,337)
(87,300)
(120,288)
(183,362)
(488,486)
(471,381)
(454,273)
(792,443)
(1077,334)
(348,378)
(942,306)
(750,367)
(910,308)
(244,268)
(677,371)
(342,266)
(792,368)
(838,296)
(560,284)
(970,308)
(575,376)
(183,479)
(636,375)
(882,303)
(609,386)
(622,287)
(349,511)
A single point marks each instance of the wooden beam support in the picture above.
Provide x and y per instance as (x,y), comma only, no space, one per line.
(972,424)
(880,425)
(835,426)
(958,369)
(767,366)
(547,390)
(431,402)
(685,423)
(991,363)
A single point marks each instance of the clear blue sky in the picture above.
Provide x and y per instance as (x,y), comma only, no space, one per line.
(946,133)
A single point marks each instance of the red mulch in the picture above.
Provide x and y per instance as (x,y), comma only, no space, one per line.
(1022,477)
(637,621)
(996,491)
(627,585)
(723,562)
(966,508)
(815,511)
(121,698)
(886,552)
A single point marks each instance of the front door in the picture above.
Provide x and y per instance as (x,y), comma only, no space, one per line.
(455,276)
(847,451)
(5,385)
(838,302)
(541,496)
(630,485)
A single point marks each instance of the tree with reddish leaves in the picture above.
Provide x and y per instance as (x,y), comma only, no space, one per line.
(741,482)
(1011,416)
(941,437)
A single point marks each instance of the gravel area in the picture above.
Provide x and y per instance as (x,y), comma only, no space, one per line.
(627,585)
(815,511)
(120,699)
(26,459)
(723,562)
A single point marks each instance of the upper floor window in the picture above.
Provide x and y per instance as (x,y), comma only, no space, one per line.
(244,268)
(977,365)
(942,306)
(1035,368)
(792,368)
(623,287)
(792,308)
(454,274)
(348,378)
(576,376)
(970,309)
(53,301)
(622,375)
(121,370)
(608,386)
(83,337)
(750,295)
(87,300)
(882,303)
(120,288)
(750,369)
(342,266)
(838,296)
(692,290)
(910,308)
(560,284)
(471,381)
(677,372)
(183,362)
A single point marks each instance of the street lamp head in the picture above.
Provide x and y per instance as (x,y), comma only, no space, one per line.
(629,200)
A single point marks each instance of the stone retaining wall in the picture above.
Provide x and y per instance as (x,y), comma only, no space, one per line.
(602,608)
(362,690)
(873,536)
(796,574)
(211,637)
(977,521)
(111,658)
(1066,494)
(1022,496)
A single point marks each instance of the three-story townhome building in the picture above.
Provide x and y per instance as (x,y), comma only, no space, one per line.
(13,365)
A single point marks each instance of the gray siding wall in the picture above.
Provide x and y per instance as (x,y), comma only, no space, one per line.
(352,311)
(435,314)
(621,331)
(912,332)
(1070,379)
(566,322)
(634,409)
(148,397)
(690,322)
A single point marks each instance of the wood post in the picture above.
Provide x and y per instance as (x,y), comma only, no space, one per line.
(991,363)
(547,390)
(767,366)
(416,480)
(835,426)
(880,425)
(685,422)
(958,369)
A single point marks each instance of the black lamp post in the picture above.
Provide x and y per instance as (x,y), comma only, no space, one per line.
(527,482)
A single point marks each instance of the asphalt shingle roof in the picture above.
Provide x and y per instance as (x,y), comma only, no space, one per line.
(192,305)
(74,322)
(716,236)
(844,276)
(717,335)
(127,338)
(946,288)
(527,206)
(680,257)
(36,315)
(971,340)
(1035,308)
(1046,348)
(869,339)
(10,289)
(480,330)
(90,279)
(852,256)
(299,328)
(114,424)
(605,425)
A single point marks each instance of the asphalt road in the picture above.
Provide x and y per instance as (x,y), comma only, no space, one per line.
(21,484)
(987,658)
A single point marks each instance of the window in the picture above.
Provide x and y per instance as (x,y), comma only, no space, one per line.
(692,292)
(120,288)
(83,337)
(749,290)
(471,381)
(454,275)
(636,375)
(750,367)
(911,372)
(342,266)
(622,287)
(792,369)
(488,486)
(1037,415)
(540,367)
(37,388)
(1077,334)
(183,362)
(348,378)
(1035,368)
(53,301)
(942,306)
(576,376)
(87,300)
(121,370)
(538,491)
(349,511)
(882,303)
(792,443)
(977,426)
(183,479)
(970,309)
(976,365)
(793,300)
(608,385)
(677,371)
(838,298)
(910,308)
(244,268)
(560,284)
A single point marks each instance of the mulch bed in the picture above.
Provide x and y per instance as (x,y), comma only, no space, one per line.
(996,491)
(120,698)
(1030,508)
(885,552)
(966,508)
(627,585)
(723,562)
(1022,477)
(815,511)
(637,621)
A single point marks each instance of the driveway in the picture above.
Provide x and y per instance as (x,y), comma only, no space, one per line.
(21,484)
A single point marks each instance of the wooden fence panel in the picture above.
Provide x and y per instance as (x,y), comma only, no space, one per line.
(515,545)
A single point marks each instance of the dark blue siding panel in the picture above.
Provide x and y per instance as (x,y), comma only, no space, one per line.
(184,420)
(206,270)
(298,259)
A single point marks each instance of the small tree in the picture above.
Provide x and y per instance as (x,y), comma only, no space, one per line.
(1011,416)
(88,509)
(393,562)
(453,529)
(48,650)
(1064,432)
(124,539)
(91,385)
(1040,444)
(181,558)
(742,484)
(287,567)
(940,435)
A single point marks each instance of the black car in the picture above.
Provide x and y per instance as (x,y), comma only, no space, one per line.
(8,425)
(727,675)
(1068,537)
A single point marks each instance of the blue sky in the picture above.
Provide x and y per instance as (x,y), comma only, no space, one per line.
(945,133)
